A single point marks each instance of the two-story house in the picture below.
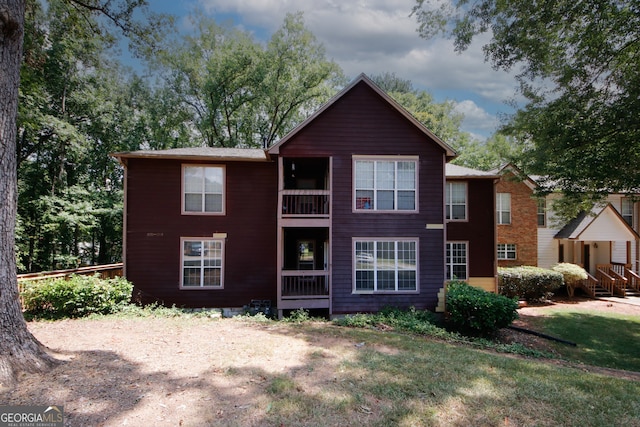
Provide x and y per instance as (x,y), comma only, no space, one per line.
(604,240)
(349,212)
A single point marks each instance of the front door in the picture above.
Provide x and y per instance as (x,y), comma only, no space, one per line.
(586,257)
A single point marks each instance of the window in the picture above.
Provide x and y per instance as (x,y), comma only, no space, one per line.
(386,265)
(203,189)
(385,185)
(627,211)
(202,263)
(456,260)
(506,251)
(542,212)
(456,201)
(503,208)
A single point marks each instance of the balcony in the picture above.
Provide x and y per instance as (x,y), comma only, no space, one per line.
(305,203)
(304,289)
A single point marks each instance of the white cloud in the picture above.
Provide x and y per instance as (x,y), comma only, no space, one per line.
(376,36)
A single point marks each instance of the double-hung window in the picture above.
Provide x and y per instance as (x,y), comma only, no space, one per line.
(503,208)
(627,210)
(383,265)
(385,184)
(202,263)
(542,212)
(506,251)
(456,261)
(456,201)
(203,189)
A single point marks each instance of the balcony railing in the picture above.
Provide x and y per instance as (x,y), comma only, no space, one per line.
(305,203)
(305,284)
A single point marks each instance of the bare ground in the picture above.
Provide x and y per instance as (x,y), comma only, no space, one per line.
(174,372)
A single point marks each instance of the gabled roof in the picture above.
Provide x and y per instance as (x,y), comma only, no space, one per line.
(198,153)
(450,152)
(510,167)
(601,224)
(456,171)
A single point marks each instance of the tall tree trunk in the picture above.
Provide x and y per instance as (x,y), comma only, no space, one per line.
(19,350)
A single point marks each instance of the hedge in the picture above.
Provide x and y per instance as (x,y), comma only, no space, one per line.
(528,283)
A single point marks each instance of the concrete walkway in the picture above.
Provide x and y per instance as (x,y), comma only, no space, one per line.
(626,300)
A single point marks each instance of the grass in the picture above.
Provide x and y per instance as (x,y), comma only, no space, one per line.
(424,382)
(361,375)
(603,339)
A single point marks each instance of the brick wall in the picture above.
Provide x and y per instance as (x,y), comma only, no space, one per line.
(523,230)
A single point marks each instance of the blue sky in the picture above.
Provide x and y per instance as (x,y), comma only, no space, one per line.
(376,36)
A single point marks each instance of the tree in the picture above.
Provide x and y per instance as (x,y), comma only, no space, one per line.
(579,70)
(19,350)
(244,94)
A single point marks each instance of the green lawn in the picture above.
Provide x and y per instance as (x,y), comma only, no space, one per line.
(603,339)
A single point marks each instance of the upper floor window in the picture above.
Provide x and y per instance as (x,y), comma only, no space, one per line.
(503,208)
(385,185)
(542,212)
(203,189)
(202,263)
(456,201)
(385,265)
(627,210)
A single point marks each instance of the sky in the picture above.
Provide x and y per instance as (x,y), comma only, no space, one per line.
(374,37)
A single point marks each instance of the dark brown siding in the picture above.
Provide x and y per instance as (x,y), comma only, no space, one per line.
(479,230)
(362,123)
(155,225)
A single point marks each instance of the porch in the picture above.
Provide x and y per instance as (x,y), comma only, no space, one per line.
(303,289)
(614,279)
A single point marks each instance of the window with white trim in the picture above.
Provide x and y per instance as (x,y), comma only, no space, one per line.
(456,201)
(202,189)
(385,185)
(503,208)
(385,265)
(456,260)
(202,263)
(507,251)
(626,210)
(542,212)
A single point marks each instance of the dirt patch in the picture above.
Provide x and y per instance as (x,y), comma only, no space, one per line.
(202,371)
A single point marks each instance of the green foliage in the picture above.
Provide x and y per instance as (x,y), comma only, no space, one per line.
(473,310)
(528,283)
(240,92)
(579,66)
(299,316)
(571,273)
(77,296)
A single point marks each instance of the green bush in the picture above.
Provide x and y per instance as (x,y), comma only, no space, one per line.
(77,296)
(571,273)
(475,311)
(528,283)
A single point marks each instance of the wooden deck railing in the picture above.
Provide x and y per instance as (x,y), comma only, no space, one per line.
(106,271)
(605,280)
(589,285)
(305,284)
(305,203)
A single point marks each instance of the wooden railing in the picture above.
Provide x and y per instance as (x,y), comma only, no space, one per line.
(305,203)
(619,273)
(305,284)
(105,271)
(589,285)
(605,280)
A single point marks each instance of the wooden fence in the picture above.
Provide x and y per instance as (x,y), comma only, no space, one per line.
(106,271)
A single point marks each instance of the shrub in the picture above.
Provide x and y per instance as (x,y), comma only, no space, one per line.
(528,283)
(475,311)
(77,296)
(571,273)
